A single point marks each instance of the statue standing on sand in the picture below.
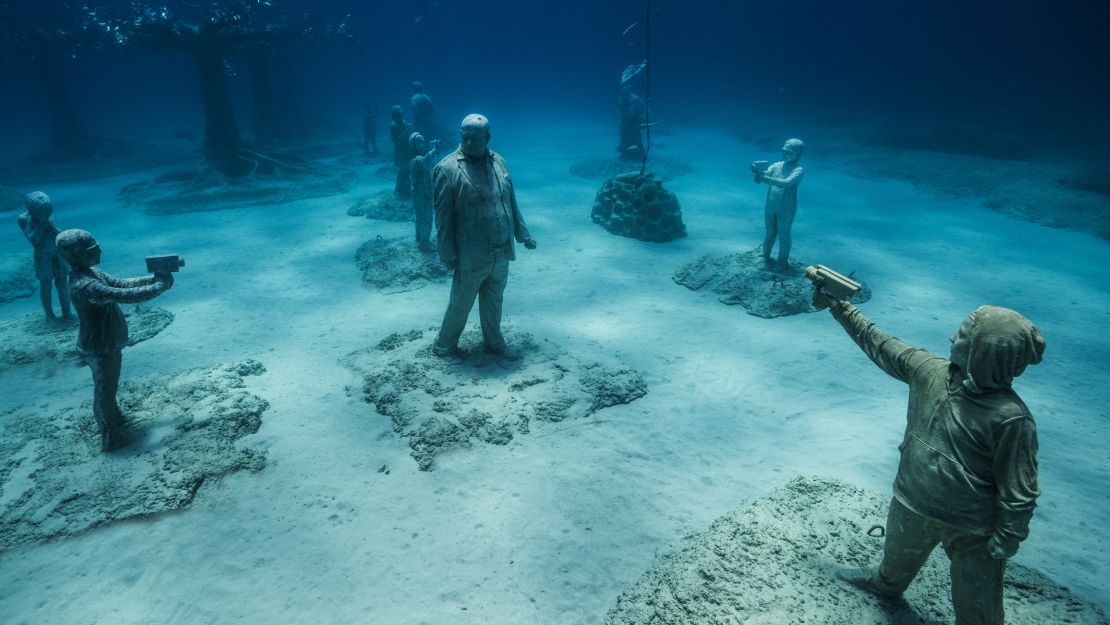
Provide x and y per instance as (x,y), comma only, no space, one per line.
(782,199)
(103,332)
(38,226)
(423,202)
(399,133)
(967,479)
(633,112)
(477,219)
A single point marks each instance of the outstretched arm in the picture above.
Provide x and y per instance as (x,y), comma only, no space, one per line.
(790,180)
(128,283)
(127,290)
(894,356)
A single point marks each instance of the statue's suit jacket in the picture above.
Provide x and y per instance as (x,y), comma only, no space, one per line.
(467,219)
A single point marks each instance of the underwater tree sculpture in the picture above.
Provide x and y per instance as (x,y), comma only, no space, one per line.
(208,42)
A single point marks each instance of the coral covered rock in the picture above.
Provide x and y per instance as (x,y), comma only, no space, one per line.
(637,206)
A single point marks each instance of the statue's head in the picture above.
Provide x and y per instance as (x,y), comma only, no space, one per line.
(474,135)
(38,204)
(792,150)
(993,346)
(416,143)
(397,112)
(78,248)
(417,87)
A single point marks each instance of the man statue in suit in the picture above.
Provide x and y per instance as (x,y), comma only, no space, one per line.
(477,220)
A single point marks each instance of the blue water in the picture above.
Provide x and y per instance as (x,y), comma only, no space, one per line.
(1025,67)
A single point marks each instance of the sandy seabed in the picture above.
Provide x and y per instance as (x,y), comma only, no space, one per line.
(342,526)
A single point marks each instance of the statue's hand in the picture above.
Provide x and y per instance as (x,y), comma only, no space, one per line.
(166,279)
(822,300)
(530,243)
(1001,549)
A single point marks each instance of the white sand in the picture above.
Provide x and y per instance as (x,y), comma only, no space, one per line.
(551,528)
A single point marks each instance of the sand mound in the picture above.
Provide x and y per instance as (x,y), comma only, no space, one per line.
(384,205)
(769,564)
(664,168)
(442,404)
(56,482)
(397,265)
(746,280)
(31,338)
(17,276)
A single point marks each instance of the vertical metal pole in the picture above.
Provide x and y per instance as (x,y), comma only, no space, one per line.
(647,87)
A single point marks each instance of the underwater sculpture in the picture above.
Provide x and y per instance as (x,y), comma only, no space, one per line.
(423,110)
(967,478)
(477,218)
(636,205)
(423,203)
(633,113)
(38,226)
(399,133)
(369,128)
(782,198)
(103,332)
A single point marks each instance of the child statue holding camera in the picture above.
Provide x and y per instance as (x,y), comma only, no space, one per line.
(103,332)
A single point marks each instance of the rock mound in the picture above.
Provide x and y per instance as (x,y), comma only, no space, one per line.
(384,205)
(31,338)
(631,205)
(666,169)
(55,481)
(746,280)
(397,265)
(443,404)
(770,563)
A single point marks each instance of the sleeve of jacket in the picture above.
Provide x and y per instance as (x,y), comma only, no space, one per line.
(894,356)
(1015,475)
(123,290)
(445,193)
(520,229)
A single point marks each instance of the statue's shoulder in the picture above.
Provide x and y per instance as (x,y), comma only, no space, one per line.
(80,280)
(499,160)
(449,163)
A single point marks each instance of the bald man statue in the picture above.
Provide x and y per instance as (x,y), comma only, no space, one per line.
(477,220)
